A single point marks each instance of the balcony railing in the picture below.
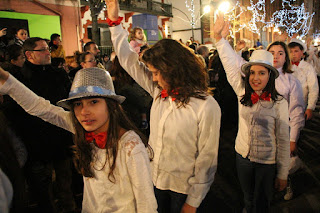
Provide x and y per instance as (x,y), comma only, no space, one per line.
(146,6)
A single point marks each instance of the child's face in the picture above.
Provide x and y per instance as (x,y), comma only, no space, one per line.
(279,56)
(259,77)
(157,77)
(89,61)
(296,54)
(139,35)
(92,114)
(22,34)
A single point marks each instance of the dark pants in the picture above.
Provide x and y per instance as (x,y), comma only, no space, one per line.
(257,183)
(169,201)
(39,176)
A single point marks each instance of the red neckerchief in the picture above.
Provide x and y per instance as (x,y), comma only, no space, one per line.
(264,96)
(164,94)
(295,63)
(100,139)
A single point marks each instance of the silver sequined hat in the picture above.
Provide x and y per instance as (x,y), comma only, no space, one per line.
(91,82)
(260,57)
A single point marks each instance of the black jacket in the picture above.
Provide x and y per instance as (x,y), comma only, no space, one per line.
(44,141)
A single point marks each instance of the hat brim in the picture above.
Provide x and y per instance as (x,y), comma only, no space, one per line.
(245,67)
(66,103)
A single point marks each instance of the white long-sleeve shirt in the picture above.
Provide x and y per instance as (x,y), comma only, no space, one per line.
(287,86)
(133,190)
(307,76)
(184,140)
(263,134)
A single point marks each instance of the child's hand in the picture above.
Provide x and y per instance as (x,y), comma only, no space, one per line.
(4,75)
(240,45)
(280,184)
(219,26)
(186,208)
(308,114)
(113,9)
(3,32)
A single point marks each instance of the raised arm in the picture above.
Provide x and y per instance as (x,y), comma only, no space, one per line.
(33,104)
(231,61)
(128,58)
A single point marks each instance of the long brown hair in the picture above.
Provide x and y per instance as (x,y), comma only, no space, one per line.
(84,155)
(287,64)
(182,70)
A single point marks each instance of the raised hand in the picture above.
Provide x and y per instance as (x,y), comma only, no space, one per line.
(3,32)
(219,26)
(113,9)
(225,31)
(240,45)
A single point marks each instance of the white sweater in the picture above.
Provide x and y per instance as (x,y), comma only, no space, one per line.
(184,140)
(263,134)
(133,190)
(307,76)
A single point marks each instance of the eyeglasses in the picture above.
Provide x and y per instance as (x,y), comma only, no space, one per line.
(41,50)
(92,61)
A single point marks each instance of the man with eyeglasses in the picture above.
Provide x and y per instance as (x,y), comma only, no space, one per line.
(47,145)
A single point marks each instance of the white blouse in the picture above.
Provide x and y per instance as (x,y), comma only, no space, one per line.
(185,140)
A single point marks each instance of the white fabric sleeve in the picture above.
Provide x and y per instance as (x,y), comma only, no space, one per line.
(206,162)
(37,106)
(313,88)
(296,109)
(6,193)
(138,165)
(232,63)
(129,59)
(282,135)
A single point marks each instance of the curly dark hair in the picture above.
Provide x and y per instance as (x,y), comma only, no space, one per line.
(180,68)
(287,65)
(84,155)
(270,88)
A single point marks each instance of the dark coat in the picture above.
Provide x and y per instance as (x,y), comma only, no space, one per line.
(44,141)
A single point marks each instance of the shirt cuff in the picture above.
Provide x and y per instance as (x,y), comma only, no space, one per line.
(192,201)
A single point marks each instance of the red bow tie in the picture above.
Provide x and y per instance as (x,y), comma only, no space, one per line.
(164,94)
(100,139)
(264,96)
(295,63)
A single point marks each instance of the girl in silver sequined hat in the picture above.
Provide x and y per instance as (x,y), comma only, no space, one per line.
(110,152)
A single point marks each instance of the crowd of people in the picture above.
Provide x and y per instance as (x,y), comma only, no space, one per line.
(142,125)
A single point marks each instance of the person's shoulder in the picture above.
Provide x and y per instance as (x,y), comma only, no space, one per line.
(205,106)
(130,141)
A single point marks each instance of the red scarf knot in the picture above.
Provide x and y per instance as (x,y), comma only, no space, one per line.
(100,139)
(264,96)
(295,63)
(164,94)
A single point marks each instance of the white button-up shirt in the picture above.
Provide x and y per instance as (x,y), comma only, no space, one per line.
(184,140)
(307,76)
